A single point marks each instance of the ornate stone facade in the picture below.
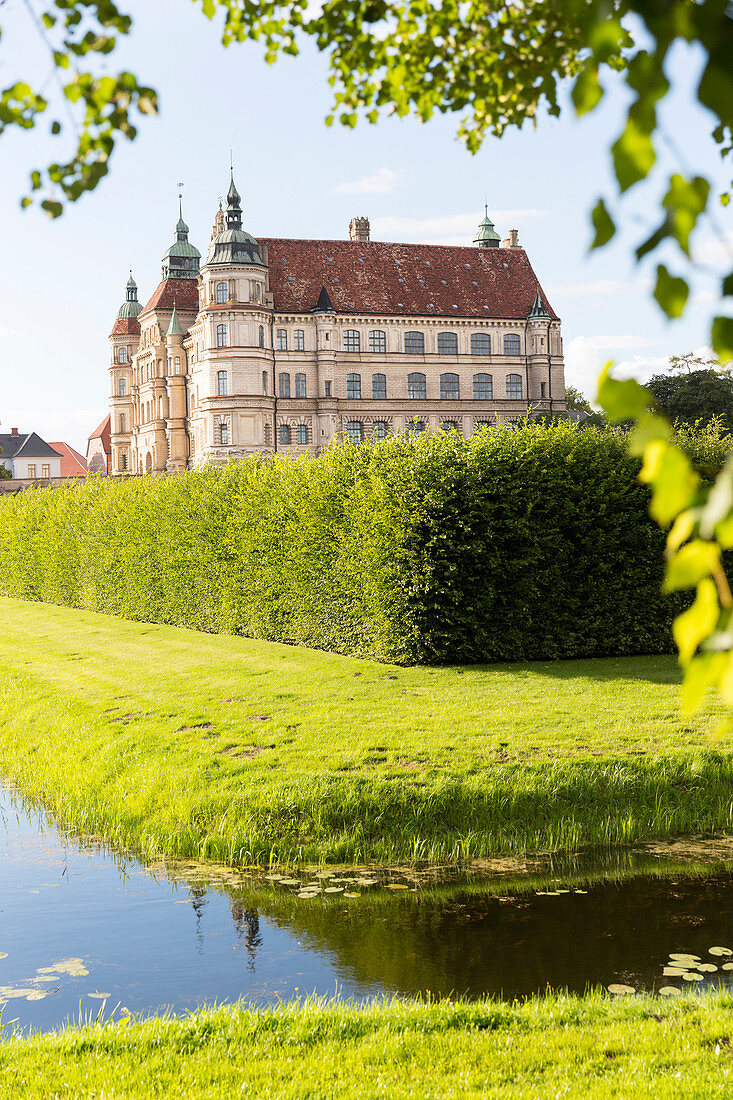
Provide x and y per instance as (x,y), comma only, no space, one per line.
(285,345)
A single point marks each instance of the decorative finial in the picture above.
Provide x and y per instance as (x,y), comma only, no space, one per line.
(180,198)
(231,160)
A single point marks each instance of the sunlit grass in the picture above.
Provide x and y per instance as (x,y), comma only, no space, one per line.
(558,1045)
(180,743)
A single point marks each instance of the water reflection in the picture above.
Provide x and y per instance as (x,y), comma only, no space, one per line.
(164,936)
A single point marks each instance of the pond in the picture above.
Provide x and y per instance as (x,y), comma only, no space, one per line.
(84,929)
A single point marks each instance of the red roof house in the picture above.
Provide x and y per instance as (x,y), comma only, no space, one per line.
(72,463)
(99,448)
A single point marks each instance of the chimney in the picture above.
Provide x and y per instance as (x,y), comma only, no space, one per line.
(512,241)
(359,229)
(14,431)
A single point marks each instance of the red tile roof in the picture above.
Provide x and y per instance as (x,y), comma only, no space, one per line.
(421,279)
(72,463)
(183,292)
(126,326)
(103,432)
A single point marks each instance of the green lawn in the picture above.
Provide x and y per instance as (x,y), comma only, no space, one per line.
(177,742)
(556,1046)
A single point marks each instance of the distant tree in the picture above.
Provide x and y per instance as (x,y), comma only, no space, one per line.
(575,401)
(698,396)
(692,362)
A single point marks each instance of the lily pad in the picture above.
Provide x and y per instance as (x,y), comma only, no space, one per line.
(3,954)
(37,995)
(309,893)
(707,968)
(334,890)
(692,976)
(673,971)
(720,951)
(351,895)
(670,991)
(727,966)
(683,957)
(397,886)
(621,989)
(99,996)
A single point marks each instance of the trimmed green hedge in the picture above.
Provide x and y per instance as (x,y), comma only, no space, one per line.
(525,543)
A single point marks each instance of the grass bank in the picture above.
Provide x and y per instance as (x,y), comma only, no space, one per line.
(177,743)
(550,1046)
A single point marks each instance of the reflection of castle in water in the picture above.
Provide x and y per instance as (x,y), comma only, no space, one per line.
(247,925)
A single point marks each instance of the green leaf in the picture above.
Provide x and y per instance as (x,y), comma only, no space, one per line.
(686,199)
(699,621)
(603,224)
(587,91)
(728,284)
(703,672)
(719,504)
(681,529)
(673,480)
(633,155)
(671,292)
(649,428)
(621,400)
(692,562)
(722,338)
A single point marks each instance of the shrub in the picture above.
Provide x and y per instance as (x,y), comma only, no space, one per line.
(514,544)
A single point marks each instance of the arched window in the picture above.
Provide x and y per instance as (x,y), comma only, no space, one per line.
(416,386)
(122,387)
(221,383)
(449,388)
(415,427)
(354,431)
(379,387)
(353,386)
(449,426)
(224,433)
(301,434)
(480,343)
(379,429)
(483,387)
(377,340)
(262,337)
(122,355)
(283,381)
(479,424)
(514,387)
(222,292)
(447,343)
(511,344)
(300,385)
(221,336)
(414,343)
(284,434)
(352,340)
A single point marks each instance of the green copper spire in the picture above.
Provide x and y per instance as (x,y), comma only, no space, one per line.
(174,328)
(538,307)
(486,235)
(130,307)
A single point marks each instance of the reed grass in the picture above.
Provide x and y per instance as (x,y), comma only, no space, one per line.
(556,1045)
(177,743)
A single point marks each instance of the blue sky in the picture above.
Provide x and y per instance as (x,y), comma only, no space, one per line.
(62,282)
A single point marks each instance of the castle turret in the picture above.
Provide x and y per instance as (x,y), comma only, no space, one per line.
(486,235)
(182,259)
(124,339)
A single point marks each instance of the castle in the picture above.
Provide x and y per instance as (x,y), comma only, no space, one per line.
(285,345)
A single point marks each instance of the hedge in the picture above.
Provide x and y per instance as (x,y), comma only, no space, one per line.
(527,543)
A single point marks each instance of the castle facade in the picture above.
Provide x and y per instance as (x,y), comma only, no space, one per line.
(285,345)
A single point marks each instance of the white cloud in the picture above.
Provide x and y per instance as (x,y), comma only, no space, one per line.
(380,182)
(448,228)
(714,251)
(601,288)
(586,355)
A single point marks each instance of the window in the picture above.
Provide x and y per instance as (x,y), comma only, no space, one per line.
(262,337)
(354,432)
(123,423)
(301,434)
(123,462)
(221,383)
(449,425)
(447,343)
(480,343)
(483,387)
(511,345)
(416,387)
(283,385)
(221,336)
(377,340)
(379,387)
(352,340)
(514,386)
(222,292)
(282,339)
(353,386)
(379,429)
(449,388)
(299,339)
(264,382)
(224,433)
(32,469)
(284,434)
(414,343)
(543,388)
(479,424)
(300,385)
(46,470)
(328,389)
(122,355)
(178,364)
(415,427)
(122,387)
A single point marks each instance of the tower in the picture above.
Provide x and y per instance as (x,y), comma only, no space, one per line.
(486,235)
(124,340)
